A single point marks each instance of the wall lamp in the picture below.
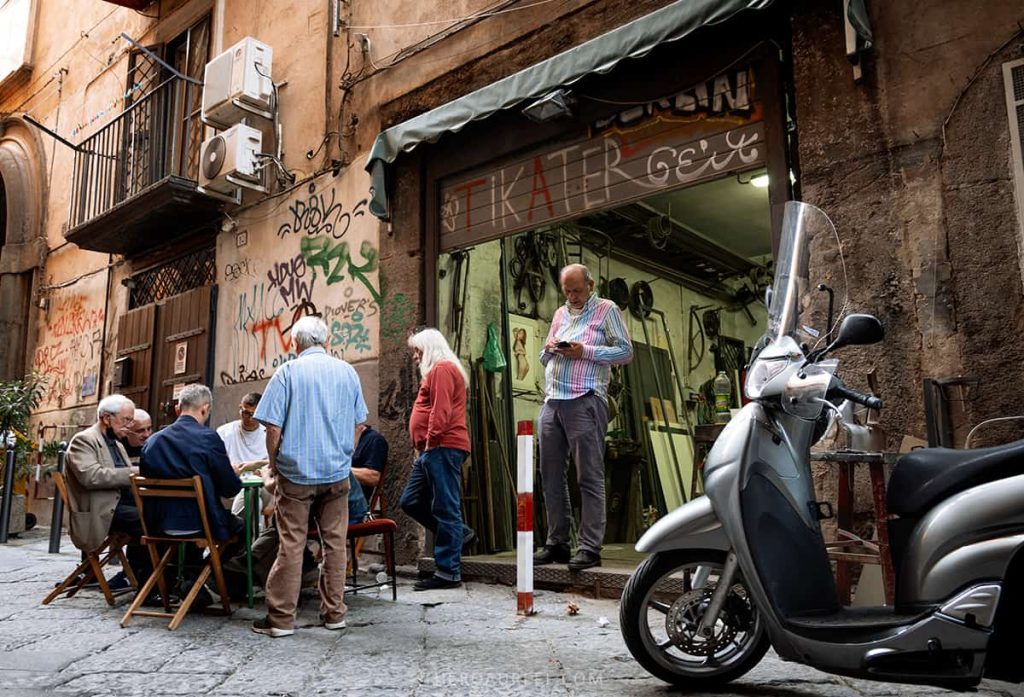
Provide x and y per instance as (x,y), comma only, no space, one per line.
(554,105)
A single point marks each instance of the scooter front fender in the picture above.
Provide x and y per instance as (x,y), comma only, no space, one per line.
(693,525)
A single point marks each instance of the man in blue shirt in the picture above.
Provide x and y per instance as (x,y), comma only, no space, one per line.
(184,449)
(310,408)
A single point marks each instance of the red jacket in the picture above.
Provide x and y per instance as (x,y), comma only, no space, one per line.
(439,413)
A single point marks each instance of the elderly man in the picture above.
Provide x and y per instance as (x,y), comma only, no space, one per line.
(311,408)
(135,438)
(588,336)
(184,449)
(98,477)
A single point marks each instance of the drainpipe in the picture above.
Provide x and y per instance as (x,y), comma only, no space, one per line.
(100,384)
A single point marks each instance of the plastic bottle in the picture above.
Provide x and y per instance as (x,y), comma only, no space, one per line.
(723,389)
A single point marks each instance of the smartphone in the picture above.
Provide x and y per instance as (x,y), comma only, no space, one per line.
(563,344)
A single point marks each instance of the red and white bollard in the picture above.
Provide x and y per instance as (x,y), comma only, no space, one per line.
(524,518)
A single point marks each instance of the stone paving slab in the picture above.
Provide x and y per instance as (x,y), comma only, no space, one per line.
(454,643)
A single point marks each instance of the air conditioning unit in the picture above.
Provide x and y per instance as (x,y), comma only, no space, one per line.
(229,160)
(237,83)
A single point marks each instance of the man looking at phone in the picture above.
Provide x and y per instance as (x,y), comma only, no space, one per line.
(588,336)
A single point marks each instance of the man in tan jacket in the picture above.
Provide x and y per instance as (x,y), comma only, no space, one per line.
(99,476)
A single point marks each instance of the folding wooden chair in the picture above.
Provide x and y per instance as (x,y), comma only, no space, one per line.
(92,566)
(189,488)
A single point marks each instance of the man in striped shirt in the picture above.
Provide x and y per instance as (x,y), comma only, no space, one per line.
(311,408)
(588,336)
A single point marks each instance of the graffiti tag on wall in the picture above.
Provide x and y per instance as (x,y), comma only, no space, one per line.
(318,257)
(70,344)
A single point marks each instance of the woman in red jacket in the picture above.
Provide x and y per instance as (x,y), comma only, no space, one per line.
(437,426)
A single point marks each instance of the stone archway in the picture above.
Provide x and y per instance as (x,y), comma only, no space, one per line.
(23,196)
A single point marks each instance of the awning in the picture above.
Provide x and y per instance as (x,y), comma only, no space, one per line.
(599,55)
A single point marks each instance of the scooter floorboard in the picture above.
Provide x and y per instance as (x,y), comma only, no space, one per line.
(856,618)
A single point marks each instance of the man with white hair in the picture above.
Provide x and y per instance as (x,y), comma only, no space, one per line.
(135,438)
(311,407)
(98,476)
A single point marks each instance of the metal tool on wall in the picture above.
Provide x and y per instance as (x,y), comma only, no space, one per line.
(641,302)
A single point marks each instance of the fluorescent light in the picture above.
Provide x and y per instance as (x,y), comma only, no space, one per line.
(760,181)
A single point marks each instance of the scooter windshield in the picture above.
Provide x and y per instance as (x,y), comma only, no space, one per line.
(808,280)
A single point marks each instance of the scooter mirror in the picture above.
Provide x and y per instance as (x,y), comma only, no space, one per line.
(858,330)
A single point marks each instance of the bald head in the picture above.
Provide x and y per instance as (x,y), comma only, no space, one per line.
(577,285)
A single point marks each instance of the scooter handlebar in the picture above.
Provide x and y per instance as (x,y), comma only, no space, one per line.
(838,389)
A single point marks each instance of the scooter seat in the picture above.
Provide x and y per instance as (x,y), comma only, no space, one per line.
(923,478)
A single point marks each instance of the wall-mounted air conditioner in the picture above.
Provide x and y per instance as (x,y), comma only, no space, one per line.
(229,160)
(237,83)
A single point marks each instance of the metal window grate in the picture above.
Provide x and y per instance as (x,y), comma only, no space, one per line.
(1018,83)
(198,268)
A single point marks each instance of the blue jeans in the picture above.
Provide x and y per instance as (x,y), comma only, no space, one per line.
(432,498)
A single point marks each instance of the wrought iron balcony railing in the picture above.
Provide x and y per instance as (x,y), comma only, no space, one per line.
(155,137)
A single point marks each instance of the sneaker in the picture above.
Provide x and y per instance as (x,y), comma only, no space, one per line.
(552,554)
(119,583)
(263,627)
(435,583)
(335,625)
(584,559)
(468,537)
(203,597)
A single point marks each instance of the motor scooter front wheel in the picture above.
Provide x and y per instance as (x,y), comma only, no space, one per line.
(660,611)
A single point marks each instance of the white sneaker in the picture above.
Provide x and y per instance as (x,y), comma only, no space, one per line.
(263,626)
(335,625)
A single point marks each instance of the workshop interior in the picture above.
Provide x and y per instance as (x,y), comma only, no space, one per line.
(688,268)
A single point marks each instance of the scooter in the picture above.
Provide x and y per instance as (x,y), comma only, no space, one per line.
(744,567)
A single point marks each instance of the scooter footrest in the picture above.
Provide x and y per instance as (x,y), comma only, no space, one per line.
(854,618)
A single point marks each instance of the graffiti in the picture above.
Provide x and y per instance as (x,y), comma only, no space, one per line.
(335,261)
(71,317)
(396,317)
(70,347)
(320,213)
(238,269)
(243,375)
(287,277)
(351,334)
(364,306)
(397,398)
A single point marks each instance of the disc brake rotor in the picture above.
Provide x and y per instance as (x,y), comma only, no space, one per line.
(683,619)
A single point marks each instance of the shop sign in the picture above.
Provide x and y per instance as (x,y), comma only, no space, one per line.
(602,172)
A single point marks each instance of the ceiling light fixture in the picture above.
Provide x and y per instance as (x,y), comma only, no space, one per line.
(554,105)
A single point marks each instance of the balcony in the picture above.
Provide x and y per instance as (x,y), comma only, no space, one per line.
(134,182)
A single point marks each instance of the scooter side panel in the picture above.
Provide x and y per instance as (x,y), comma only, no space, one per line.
(693,525)
(969,537)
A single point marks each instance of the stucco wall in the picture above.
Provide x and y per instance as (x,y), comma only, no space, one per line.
(928,224)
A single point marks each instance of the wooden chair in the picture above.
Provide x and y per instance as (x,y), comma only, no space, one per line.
(377,523)
(189,488)
(92,566)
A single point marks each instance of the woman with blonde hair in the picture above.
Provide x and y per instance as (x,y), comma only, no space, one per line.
(437,426)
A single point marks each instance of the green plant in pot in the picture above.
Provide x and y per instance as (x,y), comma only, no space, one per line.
(18,399)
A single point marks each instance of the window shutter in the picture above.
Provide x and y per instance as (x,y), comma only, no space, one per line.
(1013,82)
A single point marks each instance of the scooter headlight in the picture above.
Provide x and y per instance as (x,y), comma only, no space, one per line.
(761,373)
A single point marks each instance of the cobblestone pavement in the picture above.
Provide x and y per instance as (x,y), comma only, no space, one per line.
(456,642)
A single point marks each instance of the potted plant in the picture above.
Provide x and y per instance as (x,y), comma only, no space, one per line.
(18,399)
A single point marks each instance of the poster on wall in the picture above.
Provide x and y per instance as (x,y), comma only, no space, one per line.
(525,366)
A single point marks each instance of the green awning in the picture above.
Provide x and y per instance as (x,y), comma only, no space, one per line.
(599,55)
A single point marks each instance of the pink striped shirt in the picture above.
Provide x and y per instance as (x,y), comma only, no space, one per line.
(600,327)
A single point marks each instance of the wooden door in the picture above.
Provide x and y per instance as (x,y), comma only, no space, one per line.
(183,348)
(133,370)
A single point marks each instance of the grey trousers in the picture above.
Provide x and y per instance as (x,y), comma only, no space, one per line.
(574,427)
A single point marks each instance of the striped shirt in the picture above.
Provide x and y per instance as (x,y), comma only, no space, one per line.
(599,326)
(316,400)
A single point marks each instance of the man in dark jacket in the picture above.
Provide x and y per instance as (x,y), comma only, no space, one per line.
(184,449)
